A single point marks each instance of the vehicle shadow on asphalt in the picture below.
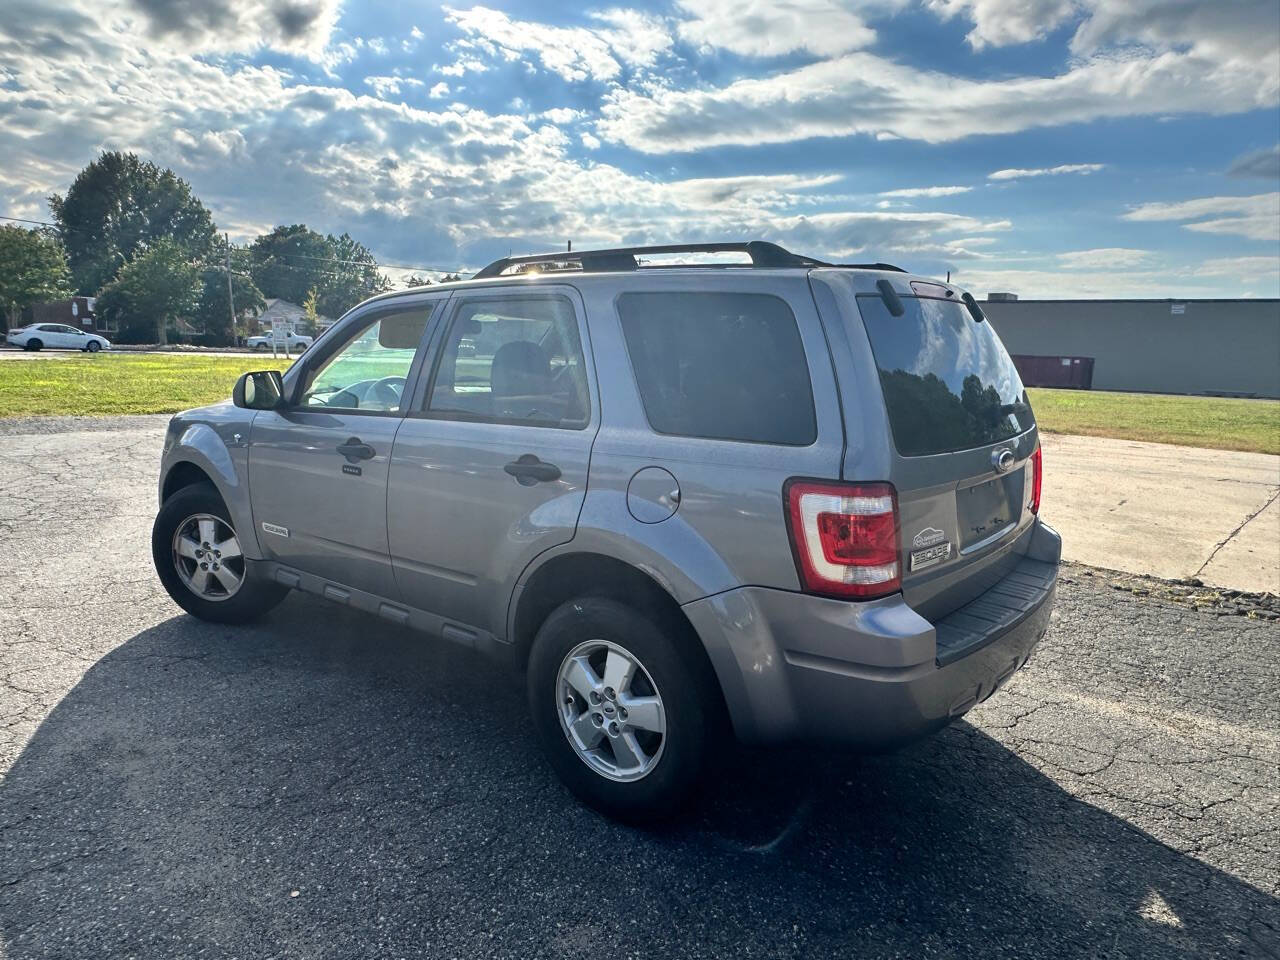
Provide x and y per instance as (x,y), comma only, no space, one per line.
(320,785)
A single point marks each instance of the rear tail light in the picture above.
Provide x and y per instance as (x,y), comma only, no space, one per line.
(845,537)
(1037,476)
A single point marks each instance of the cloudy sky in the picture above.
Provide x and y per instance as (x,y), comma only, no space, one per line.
(1055,148)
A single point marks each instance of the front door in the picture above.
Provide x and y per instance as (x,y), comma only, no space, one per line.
(318,467)
(490,468)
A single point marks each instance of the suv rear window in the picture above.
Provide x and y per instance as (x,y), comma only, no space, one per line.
(948,382)
(725,366)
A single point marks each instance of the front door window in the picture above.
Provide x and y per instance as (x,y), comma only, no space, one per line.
(369,373)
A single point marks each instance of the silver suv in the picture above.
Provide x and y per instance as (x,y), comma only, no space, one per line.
(778,500)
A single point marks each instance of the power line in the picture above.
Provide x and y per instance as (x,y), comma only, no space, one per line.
(43,223)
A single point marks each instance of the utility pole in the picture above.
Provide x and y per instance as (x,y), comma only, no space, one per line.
(231,298)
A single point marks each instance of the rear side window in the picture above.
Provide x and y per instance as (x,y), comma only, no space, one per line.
(725,366)
(515,360)
(948,382)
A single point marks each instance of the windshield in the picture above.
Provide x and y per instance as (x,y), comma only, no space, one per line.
(948,382)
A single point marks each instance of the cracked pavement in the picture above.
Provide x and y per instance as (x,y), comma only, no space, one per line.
(324,785)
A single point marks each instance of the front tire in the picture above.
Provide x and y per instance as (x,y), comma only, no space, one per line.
(93,346)
(199,560)
(261,347)
(624,710)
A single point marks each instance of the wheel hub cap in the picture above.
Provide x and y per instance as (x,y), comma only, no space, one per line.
(610,710)
(207,557)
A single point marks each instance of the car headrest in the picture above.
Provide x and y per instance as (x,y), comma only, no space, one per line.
(520,368)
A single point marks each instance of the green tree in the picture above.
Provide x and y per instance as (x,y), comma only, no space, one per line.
(153,289)
(310,310)
(212,314)
(120,206)
(290,261)
(413,280)
(354,277)
(33,268)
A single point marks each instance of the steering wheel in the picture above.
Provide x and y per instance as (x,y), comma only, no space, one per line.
(386,392)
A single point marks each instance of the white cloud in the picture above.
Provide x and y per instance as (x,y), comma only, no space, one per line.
(562,115)
(860,93)
(574,53)
(439,91)
(1015,173)
(391,86)
(1256,217)
(1101,257)
(590,142)
(1153,280)
(998,23)
(461,66)
(925,192)
(770,28)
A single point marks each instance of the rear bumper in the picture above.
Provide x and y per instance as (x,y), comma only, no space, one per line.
(877,674)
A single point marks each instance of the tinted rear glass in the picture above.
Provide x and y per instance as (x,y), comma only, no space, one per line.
(728,366)
(948,382)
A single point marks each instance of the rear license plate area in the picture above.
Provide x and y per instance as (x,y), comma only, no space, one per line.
(985,509)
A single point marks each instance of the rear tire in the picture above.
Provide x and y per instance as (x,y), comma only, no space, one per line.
(254,594)
(651,776)
(34,344)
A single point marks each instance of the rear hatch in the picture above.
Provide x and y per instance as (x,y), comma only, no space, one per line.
(963,437)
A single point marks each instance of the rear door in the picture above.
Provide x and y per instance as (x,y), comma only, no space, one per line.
(490,467)
(955,416)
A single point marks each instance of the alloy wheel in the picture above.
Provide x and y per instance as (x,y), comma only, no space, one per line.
(207,556)
(611,711)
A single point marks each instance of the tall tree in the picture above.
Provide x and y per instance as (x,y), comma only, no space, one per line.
(33,267)
(213,313)
(414,280)
(120,206)
(311,312)
(290,261)
(354,277)
(152,289)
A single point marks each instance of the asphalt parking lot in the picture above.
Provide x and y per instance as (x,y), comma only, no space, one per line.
(322,785)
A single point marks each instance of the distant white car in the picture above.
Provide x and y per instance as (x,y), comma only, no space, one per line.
(56,336)
(291,341)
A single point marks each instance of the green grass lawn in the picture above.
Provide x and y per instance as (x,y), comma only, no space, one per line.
(84,384)
(105,384)
(1222,423)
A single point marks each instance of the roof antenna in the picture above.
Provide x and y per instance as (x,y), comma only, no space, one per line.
(948,276)
(569,249)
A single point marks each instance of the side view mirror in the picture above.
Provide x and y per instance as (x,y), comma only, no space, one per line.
(260,390)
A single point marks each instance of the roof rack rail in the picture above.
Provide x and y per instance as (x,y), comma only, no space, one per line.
(761,252)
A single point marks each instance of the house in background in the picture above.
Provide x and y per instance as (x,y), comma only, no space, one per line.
(75,312)
(288,317)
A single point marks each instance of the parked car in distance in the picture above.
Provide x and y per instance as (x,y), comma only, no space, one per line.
(56,336)
(291,341)
(783,501)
